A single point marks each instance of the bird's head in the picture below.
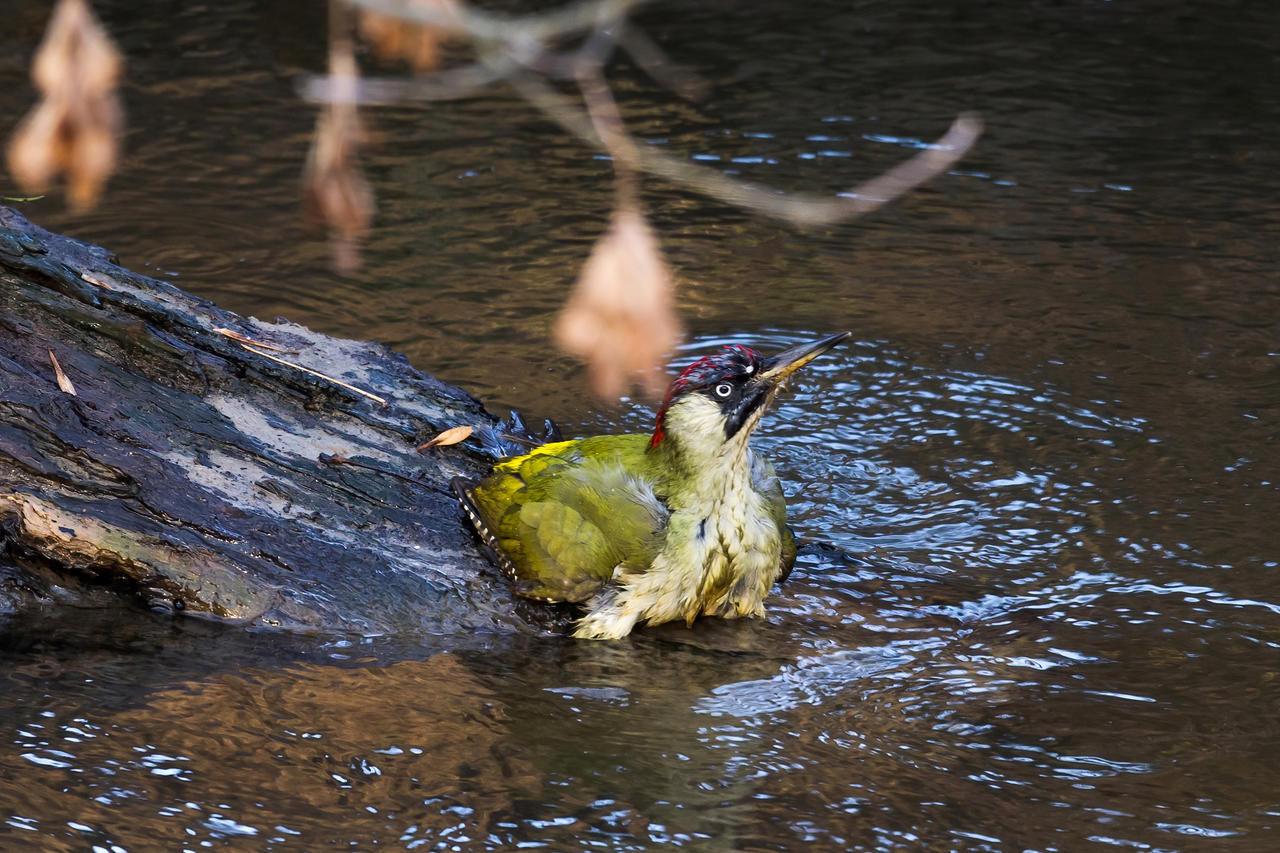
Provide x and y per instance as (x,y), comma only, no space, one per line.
(719,399)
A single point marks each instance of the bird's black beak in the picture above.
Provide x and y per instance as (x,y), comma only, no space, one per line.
(766,384)
(779,367)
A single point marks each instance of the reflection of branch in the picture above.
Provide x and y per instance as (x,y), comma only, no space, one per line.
(798,209)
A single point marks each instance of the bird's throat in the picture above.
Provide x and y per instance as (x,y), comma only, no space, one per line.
(700,458)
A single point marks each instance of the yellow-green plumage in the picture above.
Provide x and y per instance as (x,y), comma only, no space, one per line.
(636,528)
(548,513)
(572,517)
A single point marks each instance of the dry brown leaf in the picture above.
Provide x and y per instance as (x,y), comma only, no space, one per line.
(621,316)
(415,42)
(64,384)
(335,193)
(453,435)
(75,128)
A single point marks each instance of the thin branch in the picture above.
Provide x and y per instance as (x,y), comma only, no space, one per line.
(236,336)
(605,117)
(798,209)
(337,459)
(447,85)
(335,193)
(621,315)
(511,50)
(654,61)
(482,26)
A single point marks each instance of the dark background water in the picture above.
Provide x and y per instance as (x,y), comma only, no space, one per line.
(1039,606)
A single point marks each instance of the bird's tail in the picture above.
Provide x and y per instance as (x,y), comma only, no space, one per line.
(462,488)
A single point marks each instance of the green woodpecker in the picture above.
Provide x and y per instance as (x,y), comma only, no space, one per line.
(651,528)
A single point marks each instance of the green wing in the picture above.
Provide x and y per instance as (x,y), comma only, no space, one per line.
(562,518)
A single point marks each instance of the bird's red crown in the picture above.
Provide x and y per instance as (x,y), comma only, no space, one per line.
(734,361)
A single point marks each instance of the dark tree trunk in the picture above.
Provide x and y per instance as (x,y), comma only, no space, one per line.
(196,474)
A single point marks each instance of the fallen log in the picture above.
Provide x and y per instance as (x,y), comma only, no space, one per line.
(156,444)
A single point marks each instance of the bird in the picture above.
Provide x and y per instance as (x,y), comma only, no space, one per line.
(682,522)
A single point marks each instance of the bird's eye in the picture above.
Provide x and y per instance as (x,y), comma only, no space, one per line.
(724,389)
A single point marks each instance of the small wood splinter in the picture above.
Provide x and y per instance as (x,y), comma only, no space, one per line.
(252,348)
(236,336)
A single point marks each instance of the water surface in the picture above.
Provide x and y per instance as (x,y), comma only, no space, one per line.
(1036,608)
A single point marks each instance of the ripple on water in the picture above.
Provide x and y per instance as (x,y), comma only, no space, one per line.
(974,621)
(983,568)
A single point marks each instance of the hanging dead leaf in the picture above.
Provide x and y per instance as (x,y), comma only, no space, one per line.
(64,384)
(415,42)
(621,316)
(75,128)
(335,193)
(453,435)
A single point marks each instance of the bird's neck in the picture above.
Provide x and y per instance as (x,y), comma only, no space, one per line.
(701,465)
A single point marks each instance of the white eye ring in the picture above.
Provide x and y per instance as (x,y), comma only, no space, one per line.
(724,389)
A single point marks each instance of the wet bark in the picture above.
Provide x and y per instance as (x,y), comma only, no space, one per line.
(193,473)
